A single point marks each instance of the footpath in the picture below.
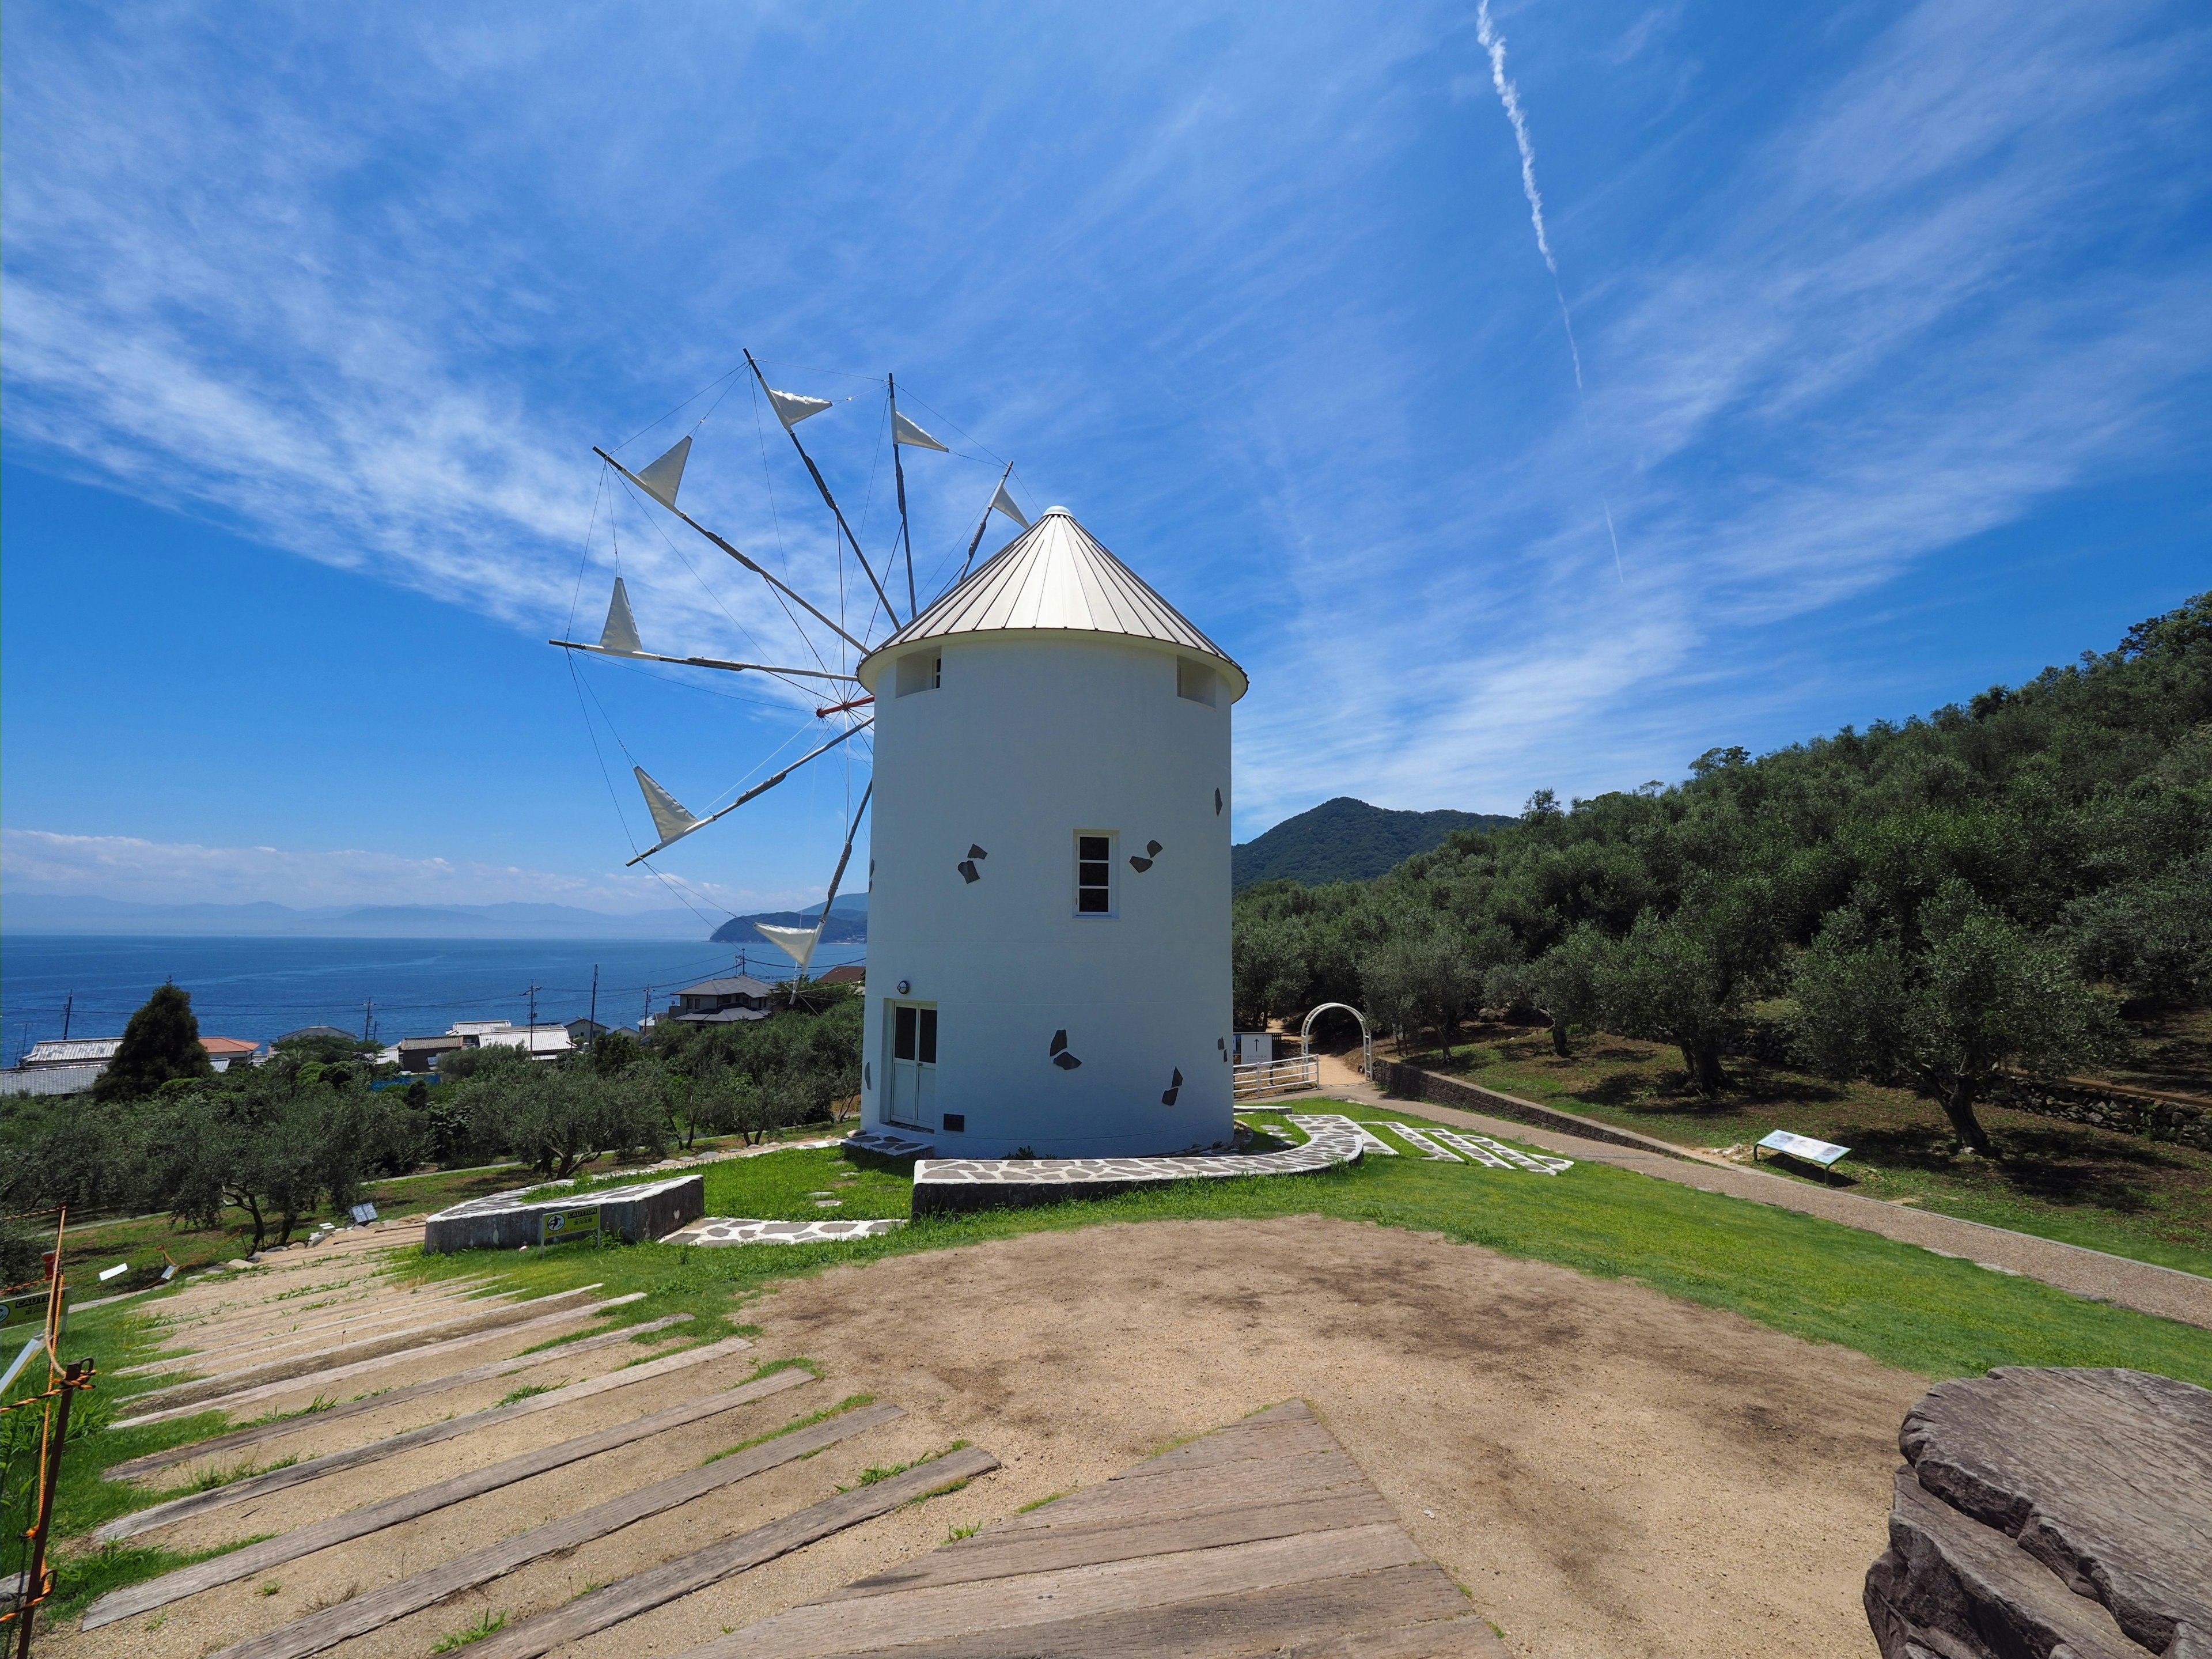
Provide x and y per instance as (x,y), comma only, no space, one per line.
(2144,1286)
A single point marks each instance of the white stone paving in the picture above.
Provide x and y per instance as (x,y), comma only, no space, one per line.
(1419,1141)
(1499,1156)
(727,1230)
(1316,1123)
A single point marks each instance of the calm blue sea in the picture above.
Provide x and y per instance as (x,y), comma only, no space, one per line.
(259,989)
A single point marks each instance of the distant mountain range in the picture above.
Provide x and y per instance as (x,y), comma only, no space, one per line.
(849,922)
(1345,839)
(49,913)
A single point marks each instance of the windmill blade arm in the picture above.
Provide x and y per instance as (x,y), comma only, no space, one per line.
(762,787)
(983,523)
(822,484)
(704,662)
(765,574)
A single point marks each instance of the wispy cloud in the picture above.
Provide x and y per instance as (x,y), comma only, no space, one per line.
(369,289)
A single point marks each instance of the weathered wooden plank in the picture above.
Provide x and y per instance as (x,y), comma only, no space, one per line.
(964,1611)
(602,1608)
(380,1608)
(296,1384)
(1003,1555)
(244,1323)
(1946,1574)
(1264,1621)
(269,1329)
(1276,1480)
(450,1428)
(2103,1475)
(1468,1637)
(1236,1445)
(256,1434)
(202,1389)
(357,1523)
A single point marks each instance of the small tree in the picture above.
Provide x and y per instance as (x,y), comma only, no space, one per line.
(161,1042)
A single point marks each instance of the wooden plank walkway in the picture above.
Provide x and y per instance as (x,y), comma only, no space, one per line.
(485,1316)
(1261,1538)
(359,1524)
(300,1383)
(448,1428)
(255,1434)
(380,1608)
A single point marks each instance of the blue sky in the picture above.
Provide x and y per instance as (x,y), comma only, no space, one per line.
(1894,323)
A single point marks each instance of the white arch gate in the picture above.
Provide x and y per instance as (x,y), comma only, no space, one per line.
(1366,1037)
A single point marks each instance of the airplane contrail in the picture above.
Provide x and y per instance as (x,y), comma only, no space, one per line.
(1510,96)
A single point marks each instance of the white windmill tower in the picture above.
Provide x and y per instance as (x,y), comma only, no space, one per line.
(1048,928)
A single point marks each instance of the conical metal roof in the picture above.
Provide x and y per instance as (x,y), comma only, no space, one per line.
(1056,578)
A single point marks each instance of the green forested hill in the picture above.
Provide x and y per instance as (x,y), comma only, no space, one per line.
(1934,902)
(1345,839)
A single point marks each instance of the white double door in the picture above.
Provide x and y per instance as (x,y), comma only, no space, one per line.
(910,1065)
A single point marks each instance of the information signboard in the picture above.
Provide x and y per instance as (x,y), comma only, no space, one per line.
(566,1226)
(1821,1152)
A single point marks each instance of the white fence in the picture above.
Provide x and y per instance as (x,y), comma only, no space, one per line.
(1277,1077)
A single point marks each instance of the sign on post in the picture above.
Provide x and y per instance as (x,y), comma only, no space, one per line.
(1822,1153)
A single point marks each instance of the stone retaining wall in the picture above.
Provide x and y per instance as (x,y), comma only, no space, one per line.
(2129,1113)
(1403,1082)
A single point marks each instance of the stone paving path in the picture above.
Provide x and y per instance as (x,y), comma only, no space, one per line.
(725,1230)
(2166,1292)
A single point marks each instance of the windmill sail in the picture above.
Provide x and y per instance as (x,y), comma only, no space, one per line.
(662,477)
(1002,502)
(620,634)
(791,408)
(669,816)
(904,431)
(797,942)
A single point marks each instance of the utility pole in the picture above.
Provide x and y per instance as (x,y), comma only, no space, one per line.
(645,1018)
(533,1005)
(68,1007)
(367,1018)
(592,1019)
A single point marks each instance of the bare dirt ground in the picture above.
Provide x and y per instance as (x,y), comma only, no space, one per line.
(1607,1472)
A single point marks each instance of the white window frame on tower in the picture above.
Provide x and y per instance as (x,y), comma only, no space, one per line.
(1113,910)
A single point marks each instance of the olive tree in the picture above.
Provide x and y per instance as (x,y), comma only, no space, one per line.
(1980,994)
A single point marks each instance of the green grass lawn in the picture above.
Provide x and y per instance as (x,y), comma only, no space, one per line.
(1897,1303)
(2119,1193)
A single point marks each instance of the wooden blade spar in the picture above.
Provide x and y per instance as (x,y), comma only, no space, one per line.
(765,574)
(705,662)
(822,484)
(760,789)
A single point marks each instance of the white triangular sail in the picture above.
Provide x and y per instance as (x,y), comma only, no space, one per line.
(904,431)
(620,634)
(791,408)
(669,816)
(662,477)
(1002,502)
(797,942)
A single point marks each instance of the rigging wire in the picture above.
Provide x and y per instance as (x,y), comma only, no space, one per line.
(584,562)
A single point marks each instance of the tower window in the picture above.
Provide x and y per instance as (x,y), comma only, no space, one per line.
(1094,875)
(919,671)
(1195,680)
